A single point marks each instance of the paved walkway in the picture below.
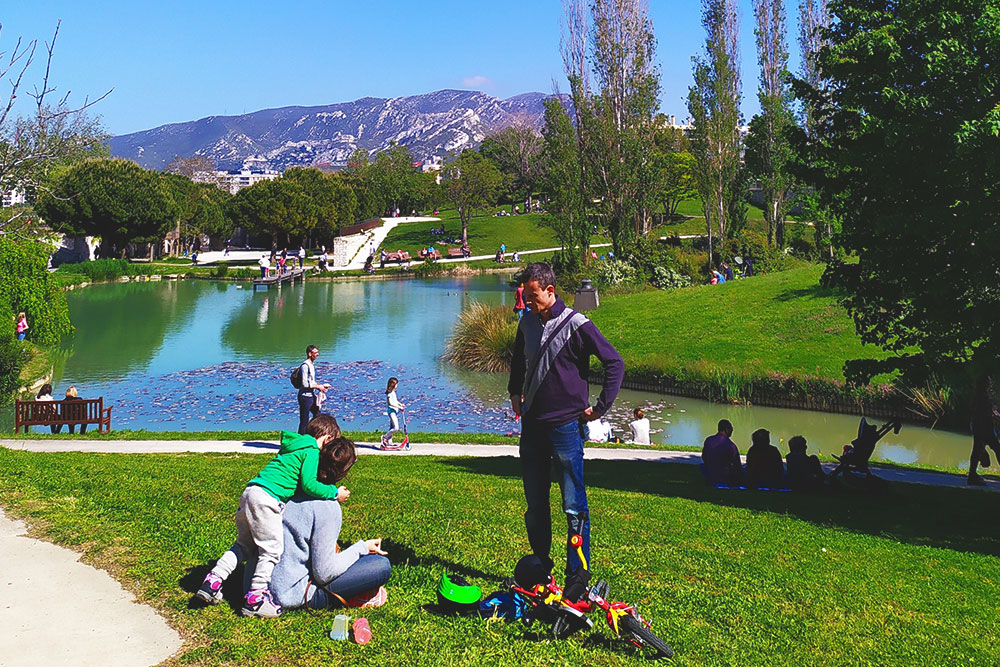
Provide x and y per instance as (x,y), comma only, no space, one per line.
(57,611)
(435,449)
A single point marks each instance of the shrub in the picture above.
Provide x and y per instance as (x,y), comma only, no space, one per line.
(753,244)
(25,285)
(428,268)
(483,339)
(12,358)
(665,277)
(614,272)
(803,248)
(100,270)
(690,263)
(221,271)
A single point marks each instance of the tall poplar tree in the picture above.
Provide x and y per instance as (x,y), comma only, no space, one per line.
(769,150)
(714,104)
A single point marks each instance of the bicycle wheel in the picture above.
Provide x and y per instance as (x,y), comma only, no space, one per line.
(639,633)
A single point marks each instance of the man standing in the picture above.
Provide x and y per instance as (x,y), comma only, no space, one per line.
(307,392)
(548,388)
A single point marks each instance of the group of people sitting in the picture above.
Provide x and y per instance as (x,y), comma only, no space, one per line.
(45,394)
(600,430)
(764,468)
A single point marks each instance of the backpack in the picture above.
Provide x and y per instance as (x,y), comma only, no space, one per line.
(296,377)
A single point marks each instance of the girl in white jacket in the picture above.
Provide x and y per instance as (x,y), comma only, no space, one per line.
(393,407)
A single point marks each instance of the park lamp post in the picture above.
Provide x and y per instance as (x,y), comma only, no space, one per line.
(586,297)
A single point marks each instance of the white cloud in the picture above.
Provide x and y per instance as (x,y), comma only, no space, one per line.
(478,81)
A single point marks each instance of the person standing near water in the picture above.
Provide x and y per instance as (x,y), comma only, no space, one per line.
(548,388)
(22,326)
(308,405)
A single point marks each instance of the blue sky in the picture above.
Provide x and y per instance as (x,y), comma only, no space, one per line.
(182,60)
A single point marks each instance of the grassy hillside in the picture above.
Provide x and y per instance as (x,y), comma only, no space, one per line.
(782,324)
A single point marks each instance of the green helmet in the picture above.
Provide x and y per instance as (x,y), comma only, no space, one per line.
(458,595)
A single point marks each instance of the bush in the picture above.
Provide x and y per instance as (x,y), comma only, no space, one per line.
(752,244)
(12,358)
(615,272)
(428,268)
(25,285)
(483,339)
(665,277)
(100,270)
(221,271)
(804,249)
(690,263)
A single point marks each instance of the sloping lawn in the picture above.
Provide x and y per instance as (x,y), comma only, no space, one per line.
(728,578)
(779,323)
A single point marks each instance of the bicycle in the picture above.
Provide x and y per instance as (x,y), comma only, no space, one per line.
(549,605)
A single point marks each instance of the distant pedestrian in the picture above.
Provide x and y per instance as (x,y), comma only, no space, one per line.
(393,407)
(302,257)
(382,255)
(727,271)
(519,306)
(265,265)
(307,391)
(22,326)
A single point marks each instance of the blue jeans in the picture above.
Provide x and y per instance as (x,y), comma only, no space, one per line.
(541,446)
(307,409)
(367,574)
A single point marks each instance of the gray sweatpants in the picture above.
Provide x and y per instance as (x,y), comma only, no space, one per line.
(258,526)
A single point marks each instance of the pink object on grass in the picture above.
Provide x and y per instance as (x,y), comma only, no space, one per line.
(362,631)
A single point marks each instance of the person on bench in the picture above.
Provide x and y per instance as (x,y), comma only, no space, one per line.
(45,394)
(721,457)
(71,411)
(764,466)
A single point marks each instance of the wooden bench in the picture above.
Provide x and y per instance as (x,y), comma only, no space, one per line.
(455,252)
(423,254)
(398,257)
(62,413)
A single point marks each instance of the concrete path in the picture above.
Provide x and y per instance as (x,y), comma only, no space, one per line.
(57,611)
(438,449)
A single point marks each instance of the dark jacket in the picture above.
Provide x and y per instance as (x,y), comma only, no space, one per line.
(764,465)
(721,459)
(562,394)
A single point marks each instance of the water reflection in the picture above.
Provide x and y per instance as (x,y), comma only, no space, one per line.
(202,355)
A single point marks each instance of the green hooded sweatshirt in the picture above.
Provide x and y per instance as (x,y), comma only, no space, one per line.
(295,467)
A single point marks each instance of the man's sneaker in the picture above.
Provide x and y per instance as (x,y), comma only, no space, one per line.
(211,589)
(259,603)
(370,599)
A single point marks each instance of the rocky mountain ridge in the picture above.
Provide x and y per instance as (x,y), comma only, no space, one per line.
(431,125)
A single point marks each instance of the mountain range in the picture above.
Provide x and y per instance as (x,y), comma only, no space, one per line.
(430,125)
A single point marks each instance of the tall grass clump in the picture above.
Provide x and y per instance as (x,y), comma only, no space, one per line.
(106,269)
(483,339)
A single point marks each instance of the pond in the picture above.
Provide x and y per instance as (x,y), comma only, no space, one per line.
(197,355)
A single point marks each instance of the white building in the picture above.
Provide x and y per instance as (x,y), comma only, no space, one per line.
(254,170)
(12,198)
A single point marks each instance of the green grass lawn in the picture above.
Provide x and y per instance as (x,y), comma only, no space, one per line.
(728,578)
(778,323)
(486,233)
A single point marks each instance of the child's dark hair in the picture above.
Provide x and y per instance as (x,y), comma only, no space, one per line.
(796,444)
(336,457)
(321,425)
(639,414)
(391,385)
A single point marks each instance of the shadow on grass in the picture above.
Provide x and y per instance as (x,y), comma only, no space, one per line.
(952,518)
(232,588)
(816,291)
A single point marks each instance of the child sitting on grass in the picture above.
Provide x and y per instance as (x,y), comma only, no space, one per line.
(297,465)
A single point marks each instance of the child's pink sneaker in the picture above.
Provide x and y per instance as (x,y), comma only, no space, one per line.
(370,599)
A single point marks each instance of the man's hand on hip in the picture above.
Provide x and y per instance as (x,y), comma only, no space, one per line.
(590,415)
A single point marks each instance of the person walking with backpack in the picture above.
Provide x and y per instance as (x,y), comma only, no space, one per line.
(548,389)
(304,379)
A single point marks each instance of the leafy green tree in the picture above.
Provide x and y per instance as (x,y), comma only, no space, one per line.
(768,147)
(566,207)
(675,167)
(473,182)
(335,204)
(714,104)
(116,200)
(516,150)
(277,208)
(906,153)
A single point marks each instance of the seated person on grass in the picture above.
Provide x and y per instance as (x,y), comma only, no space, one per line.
(764,467)
(804,472)
(639,427)
(598,430)
(720,457)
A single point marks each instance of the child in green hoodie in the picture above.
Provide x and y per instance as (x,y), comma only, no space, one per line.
(320,452)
